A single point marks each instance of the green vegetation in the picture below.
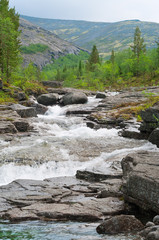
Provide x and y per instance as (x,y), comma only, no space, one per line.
(106,36)
(9,42)
(33,48)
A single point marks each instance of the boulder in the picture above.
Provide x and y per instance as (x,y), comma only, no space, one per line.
(74,98)
(141,180)
(120,224)
(48,99)
(154,137)
(100,95)
(24,112)
(39,108)
(21,96)
(52,84)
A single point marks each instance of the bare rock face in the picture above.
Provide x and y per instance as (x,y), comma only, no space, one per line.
(141,179)
(120,224)
(63,198)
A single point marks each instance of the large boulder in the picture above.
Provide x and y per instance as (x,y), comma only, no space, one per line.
(154,137)
(150,119)
(120,224)
(141,180)
(74,98)
(23,111)
(48,99)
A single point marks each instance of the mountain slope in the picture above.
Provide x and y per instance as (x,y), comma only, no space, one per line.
(106,36)
(53,46)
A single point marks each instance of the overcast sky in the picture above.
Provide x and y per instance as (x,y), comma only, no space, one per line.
(91,10)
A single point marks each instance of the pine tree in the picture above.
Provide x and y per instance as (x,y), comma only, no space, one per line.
(112,57)
(94,58)
(138,46)
(9,39)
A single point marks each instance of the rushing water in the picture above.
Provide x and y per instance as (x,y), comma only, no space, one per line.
(60,146)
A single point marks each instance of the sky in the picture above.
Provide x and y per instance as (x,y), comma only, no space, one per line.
(90,10)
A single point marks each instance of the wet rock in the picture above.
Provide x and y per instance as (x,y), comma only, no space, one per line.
(101,95)
(133,134)
(24,112)
(95,176)
(39,108)
(21,125)
(65,198)
(48,99)
(112,188)
(141,180)
(154,137)
(120,224)
(74,98)
(7,127)
(52,84)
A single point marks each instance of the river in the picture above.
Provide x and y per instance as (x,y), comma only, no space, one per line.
(59,146)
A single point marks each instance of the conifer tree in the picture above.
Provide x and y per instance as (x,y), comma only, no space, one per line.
(9,39)
(112,57)
(94,58)
(138,46)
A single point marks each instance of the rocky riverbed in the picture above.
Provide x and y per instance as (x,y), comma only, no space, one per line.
(68,161)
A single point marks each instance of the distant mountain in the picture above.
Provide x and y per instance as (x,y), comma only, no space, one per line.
(106,36)
(42,46)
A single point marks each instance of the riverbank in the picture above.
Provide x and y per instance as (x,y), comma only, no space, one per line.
(65,140)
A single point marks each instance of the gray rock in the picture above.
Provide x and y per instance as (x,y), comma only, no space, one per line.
(150,115)
(154,137)
(150,224)
(48,99)
(52,84)
(141,180)
(133,134)
(21,96)
(100,95)
(96,176)
(21,125)
(156,220)
(74,98)
(24,112)
(120,224)
(7,127)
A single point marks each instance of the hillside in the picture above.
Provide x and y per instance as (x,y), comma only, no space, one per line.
(106,36)
(42,46)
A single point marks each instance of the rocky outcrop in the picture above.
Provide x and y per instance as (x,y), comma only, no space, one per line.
(24,112)
(63,198)
(48,99)
(74,98)
(11,122)
(141,180)
(120,224)
(32,34)
(150,119)
(154,137)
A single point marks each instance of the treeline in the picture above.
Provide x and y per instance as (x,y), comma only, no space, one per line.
(135,66)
